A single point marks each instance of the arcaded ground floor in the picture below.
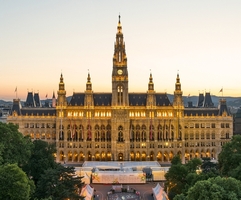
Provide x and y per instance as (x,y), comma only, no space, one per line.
(162,155)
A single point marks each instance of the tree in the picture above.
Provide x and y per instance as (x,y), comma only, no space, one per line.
(236,173)
(42,158)
(14,147)
(181,177)
(14,183)
(215,189)
(193,164)
(176,160)
(59,183)
(230,156)
(176,179)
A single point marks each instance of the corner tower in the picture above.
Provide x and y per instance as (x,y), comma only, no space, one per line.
(119,71)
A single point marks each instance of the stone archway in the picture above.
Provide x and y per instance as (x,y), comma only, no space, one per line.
(120,157)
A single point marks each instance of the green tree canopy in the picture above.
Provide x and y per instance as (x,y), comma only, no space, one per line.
(14,147)
(230,156)
(176,160)
(176,179)
(14,183)
(181,177)
(59,183)
(215,189)
(42,158)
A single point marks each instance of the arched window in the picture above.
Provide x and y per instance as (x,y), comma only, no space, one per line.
(108,132)
(61,135)
(151,132)
(97,133)
(120,134)
(159,132)
(143,133)
(89,135)
(119,56)
(120,95)
(132,134)
(102,132)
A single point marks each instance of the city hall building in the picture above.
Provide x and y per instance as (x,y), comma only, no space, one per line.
(123,126)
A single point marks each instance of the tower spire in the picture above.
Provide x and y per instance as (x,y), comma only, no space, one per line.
(178,84)
(119,73)
(61,92)
(151,84)
(178,92)
(119,27)
(88,84)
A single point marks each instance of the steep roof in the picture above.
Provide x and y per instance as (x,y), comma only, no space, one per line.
(137,99)
(162,99)
(201,111)
(38,111)
(102,99)
(16,107)
(208,100)
(77,99)
(30,100)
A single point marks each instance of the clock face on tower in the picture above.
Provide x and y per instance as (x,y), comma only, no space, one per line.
(119,71)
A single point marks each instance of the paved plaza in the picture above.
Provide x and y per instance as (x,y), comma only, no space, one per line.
(101,190)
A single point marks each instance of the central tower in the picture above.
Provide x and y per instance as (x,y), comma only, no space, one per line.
(119,73)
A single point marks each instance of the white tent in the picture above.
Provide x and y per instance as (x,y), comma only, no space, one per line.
(159,193)
(87,192)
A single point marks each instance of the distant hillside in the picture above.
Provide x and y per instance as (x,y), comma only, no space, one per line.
(231,101)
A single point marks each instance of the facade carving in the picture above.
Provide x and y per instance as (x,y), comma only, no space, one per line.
(123,126)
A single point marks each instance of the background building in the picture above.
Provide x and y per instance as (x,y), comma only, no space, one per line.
(123,126)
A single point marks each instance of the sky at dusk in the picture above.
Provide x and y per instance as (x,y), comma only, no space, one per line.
(39,40)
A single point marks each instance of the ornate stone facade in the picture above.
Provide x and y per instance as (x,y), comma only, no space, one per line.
(123,126)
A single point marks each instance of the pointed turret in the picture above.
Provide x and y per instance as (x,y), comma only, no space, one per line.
(53,100)
(88,84)
(151,84)
(119,27)
(61,93)
(178,101)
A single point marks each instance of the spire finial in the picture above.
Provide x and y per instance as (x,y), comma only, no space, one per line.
(119,17)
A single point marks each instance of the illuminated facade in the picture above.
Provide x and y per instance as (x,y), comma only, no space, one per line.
(123,126)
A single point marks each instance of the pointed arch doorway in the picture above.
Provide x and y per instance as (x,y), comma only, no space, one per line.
(120,157)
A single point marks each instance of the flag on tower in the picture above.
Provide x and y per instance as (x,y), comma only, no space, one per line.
(221,90)
(16,89)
